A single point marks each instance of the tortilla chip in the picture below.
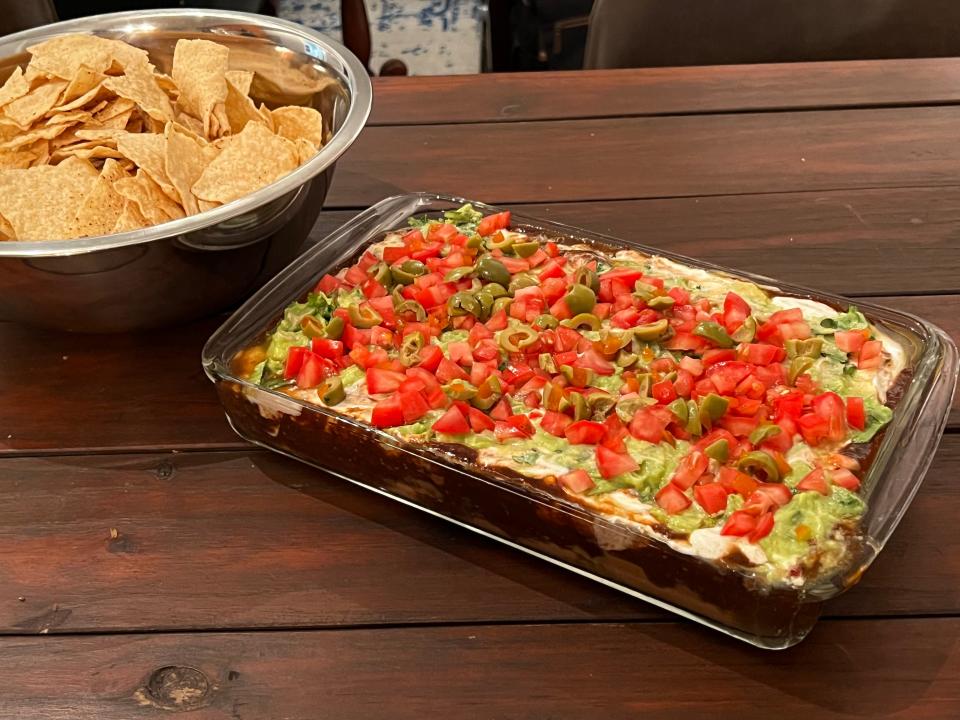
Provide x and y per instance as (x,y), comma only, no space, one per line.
(90,96)
(6,229)
(199,70)
(91,151)
(139,85)
(83,82)
(41,202)
(305,150)
(241,80)
(207,205)
(101,208)
(41,149)
(92,133)
(294,122)
(27,138)
(36,103)
(74,116)
(130,218)
(267,117)
(15,87)
(249,161)
(113,108)
(16,159)
(63,56)
(148,152)
(155,206)
(186,159)
(239,109)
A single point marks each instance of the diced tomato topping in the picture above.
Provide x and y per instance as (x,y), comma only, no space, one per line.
(383,381)
(330,349)
(814,482)
(777,492)
(585,432)
(492,223)
(856,412)
(689,469)
(672,499)
(594,361)
(735,311)
(739,523)
(845,479)
(727,374)
(452,421)
(850,341)
(328,284)
(830,407)
(314,370)
(447,370)
(761,354)
(387,413)
(502,410)
(294,361)
(576,481)
(645,425)
(430,357)
(515,426)
(555,423)
(870,356)
(692,365)
(763,528)
(712,497)
(611,464)
(480,421)
(736,481)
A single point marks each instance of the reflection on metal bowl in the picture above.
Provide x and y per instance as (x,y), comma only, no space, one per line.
(204,263)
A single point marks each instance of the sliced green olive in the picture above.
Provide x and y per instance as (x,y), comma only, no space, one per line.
(545,360)
(501,303)
(474,242)
(798,366)
(492,270)
(410,348)
(601,403)
(712,407)
(719,450)
(554,398)
(526,249)
(760,464)
(577,376)
(411,306)
(331,391)
(488,394)
(485,301)
(334,328)
(626,359)
(811,347)
(694,427)
(312,327)
(715,333)
(463,303)
(522,280)
(496,290)
(746,332)
(459,390)
(626,409)
(764,432)
(679,408)
(581,410)
(587,277)
(380,272)
(644,381)
(458,274)
(580,299)
(517,338)
(363,316)
(583,319)
(644,291)
(661,302)
(545,321)
(500,241)
(651,331)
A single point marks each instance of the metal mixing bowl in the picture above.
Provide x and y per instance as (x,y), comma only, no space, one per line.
(200,264)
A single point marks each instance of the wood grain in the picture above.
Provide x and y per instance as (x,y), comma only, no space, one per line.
(663,91)
(250,539)
(845,669)
(626,158)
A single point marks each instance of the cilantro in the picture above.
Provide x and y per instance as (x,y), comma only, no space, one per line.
(527,458)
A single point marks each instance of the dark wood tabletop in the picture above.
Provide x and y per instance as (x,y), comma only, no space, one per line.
(151,562)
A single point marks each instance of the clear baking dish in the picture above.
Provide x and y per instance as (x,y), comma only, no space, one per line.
(528,518)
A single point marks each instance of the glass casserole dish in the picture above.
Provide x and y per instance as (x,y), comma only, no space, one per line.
(728,596)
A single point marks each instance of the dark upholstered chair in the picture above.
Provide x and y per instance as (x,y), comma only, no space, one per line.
(652,33)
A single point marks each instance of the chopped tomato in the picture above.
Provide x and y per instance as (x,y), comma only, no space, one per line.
(502,410)
(763,528)
(452,421)
(727,375)
(646,426)
(328,284)
(576,481)
(845,479)
(383,381)
(414,405)
(736,481)
(760,353)
(492,223)
(672,499)
(314,370)
(555,423)
(850,341)
(856,413)
(777,492)
(480,421)
(870,356)
(829,406)
(330,349)
(592,360)
(294,361)
(739,523)
(690,468)
(611,464)
(585,432)
(735,311)
(663,392)
(814,482)
(387,413)
(692,365)
(430,357)
(447,370)
(515,426)
(712,497)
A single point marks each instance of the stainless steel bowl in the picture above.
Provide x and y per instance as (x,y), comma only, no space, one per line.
(200,264)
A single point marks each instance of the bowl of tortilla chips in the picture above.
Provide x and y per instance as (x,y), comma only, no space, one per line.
(158,166)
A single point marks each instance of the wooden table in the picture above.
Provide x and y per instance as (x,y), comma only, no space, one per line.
(149,559)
